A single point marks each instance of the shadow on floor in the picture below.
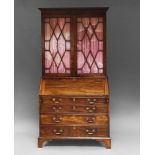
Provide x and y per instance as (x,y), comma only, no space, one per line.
(74,143)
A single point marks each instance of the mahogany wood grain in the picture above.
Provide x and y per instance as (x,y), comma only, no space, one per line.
(75,86)
(74,119)
(73,131)
(74,100)
(60,108)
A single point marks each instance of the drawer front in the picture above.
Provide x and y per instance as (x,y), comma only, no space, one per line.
(93,131)
(53,100)
(73,131)
(73,100)
(57,131)
(74,119)
(56,108)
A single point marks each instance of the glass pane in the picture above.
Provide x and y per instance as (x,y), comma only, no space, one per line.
(81,60)
(57,45)
(80,32)
(100,45)
(67,45)
(65,59)
(94,45)
(99,31)
(48,59)
(86,68)
(47,45)
(66,31)
(61,45)
(90,45)
(53,22)
(85,22)
(48,31)
(99,59)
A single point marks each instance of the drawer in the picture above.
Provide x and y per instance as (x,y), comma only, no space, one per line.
(73,131)
(55,100)
(73,100)
(92,131)
(91,101)
(74,119)
(57,131)
(56,108)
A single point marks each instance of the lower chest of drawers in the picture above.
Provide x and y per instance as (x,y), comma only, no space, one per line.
(74,117)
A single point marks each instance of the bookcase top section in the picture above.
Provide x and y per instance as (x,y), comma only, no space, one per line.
(74,86)
(73,42)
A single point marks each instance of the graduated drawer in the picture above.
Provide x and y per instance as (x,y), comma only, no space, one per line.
(56,108)
(73,100)
(74,119)
(73,131)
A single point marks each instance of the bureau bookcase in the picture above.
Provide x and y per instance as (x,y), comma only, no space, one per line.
(74,88)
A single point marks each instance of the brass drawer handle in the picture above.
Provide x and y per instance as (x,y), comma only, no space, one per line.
(56,108)
(90,119)
(91,109)
(91,101)
(90,131)
(58,131)
(57,119)
(57,101)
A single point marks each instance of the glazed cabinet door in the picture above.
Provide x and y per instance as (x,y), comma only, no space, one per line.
(56,46)
(90,45)
(73,46)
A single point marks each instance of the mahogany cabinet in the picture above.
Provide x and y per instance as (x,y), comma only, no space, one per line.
(74,88)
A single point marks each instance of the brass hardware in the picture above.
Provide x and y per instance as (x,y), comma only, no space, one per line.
(60,108)
(90,119)
(91,101)
(90,131)
(58,131)
(56,100)
(74,128)
(73,99)
(56,108)
(57,119)
(91,109)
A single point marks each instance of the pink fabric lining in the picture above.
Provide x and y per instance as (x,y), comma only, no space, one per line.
(57,46)
(88,45)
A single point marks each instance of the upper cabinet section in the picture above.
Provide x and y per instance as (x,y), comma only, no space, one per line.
(73,42)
